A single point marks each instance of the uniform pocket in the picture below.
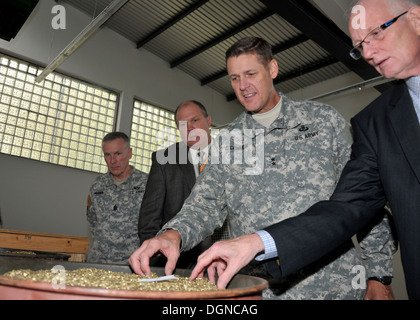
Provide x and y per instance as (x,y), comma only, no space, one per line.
(310,164)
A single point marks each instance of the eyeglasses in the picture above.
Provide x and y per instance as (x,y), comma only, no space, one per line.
(376,34)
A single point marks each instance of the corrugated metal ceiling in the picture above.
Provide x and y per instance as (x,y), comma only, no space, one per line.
(194,36)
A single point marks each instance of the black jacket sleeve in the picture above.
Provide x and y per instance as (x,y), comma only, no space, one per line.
(358,197)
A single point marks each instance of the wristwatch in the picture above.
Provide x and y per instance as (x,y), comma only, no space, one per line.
(386,281)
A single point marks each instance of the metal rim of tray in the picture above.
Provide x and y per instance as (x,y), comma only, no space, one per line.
(133,294)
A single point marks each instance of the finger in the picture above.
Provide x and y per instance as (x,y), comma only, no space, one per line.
(221,267)
(225,278)
(144,265)
(199,268)
(134,261)
(226,271)
(211,273)
(171,263)
(197,273)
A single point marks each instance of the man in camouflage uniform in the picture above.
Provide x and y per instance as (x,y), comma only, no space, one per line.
(292,156)
(113,204)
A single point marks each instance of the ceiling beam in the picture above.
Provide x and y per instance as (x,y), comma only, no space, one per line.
(171,22)
(305,17)
(317,65)
(221,38)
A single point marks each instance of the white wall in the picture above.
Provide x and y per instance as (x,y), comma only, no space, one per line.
(40,197)
(348,104)
(47,198)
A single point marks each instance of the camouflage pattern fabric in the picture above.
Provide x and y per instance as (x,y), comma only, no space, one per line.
(113,213)
(304,152)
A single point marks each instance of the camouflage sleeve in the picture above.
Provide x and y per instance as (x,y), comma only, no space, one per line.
(378,245)
(90,212)
(202,211)
(343,144)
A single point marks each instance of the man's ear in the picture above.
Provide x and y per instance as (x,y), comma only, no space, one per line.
(413,17)
(274,68)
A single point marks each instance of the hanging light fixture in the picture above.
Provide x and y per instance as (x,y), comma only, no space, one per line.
(355,87)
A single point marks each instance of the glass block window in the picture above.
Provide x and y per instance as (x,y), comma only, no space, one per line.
(152,129)
(60,120)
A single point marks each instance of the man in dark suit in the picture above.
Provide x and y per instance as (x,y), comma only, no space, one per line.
(172,176)
(384,165)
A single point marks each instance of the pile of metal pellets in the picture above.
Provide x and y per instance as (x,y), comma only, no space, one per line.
(99,278)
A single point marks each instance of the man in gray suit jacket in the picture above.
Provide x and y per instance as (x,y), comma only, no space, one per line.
(384,165)
(172,176)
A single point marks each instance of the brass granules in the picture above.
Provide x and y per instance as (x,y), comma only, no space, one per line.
(99,278)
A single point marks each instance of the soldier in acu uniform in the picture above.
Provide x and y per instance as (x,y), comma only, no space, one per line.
(275,160)
(113,204)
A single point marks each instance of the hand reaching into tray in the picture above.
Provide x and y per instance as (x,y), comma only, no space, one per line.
(226,258)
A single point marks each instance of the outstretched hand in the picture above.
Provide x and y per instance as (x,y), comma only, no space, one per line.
(226,258)
(167,243)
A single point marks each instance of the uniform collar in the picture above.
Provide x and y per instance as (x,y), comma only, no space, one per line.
(111,181)
(291,115)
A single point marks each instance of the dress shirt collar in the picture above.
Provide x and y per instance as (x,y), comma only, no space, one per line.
(413,84)
(198,157)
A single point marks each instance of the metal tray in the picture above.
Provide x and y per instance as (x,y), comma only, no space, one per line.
(242,287)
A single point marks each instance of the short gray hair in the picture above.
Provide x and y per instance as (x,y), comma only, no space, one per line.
(116,135)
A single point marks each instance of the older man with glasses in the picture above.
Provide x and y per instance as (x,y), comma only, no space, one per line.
(384,166)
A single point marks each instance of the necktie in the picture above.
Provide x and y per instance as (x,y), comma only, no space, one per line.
(199,161)
(202,161)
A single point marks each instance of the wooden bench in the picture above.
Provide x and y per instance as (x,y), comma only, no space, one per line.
(76,247)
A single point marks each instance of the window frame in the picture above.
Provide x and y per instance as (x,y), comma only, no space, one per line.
(58,122)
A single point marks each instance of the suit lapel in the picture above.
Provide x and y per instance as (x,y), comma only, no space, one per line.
(187,169)
(189,173)
(406,125)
